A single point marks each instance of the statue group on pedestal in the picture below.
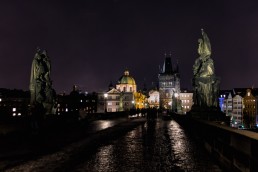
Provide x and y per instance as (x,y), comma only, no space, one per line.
(42,93)
(205,83)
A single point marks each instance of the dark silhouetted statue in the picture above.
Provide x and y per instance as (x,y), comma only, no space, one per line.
(40,83)
(205,83)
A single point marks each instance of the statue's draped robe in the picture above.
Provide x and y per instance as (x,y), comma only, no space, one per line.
(40,82)
(205,82)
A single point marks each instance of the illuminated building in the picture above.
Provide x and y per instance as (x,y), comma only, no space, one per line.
(111,102)
(140,100)
(225,102)
(185,101)
(237,107)
(240,104)
(120,98)
(153,99)
(169,84)
(249,109)
(126,83)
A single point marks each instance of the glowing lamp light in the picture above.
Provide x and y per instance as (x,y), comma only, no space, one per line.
(105,95)
(176,94)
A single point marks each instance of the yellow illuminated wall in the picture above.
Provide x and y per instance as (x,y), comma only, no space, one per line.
(140,100)
(249,109)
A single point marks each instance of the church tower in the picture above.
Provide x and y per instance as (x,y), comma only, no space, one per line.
(169,84)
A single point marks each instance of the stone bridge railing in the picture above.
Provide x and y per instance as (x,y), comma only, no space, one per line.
(234,149)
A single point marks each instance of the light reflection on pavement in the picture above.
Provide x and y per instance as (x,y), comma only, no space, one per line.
(156,146)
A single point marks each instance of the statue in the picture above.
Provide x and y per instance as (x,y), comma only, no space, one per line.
(40,83)
(205,83)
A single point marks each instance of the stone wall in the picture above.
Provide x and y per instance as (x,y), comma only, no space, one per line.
(235,150)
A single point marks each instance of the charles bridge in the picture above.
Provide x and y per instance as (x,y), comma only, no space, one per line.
(180,143)
(198,141)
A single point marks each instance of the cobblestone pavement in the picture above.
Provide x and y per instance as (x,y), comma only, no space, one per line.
(156,146)
(66,158)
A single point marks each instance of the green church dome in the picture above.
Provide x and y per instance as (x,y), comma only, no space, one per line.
(126,79)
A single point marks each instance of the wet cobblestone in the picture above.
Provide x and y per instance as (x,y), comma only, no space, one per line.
(156,146)
(152,146)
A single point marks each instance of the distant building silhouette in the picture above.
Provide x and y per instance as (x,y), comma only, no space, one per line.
(14,103)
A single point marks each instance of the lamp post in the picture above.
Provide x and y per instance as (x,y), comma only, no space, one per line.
(105,104)
(176,96)
(133,104)
(133,111)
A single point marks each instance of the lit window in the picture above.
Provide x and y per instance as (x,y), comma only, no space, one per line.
(19,114)
(14,109)
(81,101)
(14,114)
(66,109)
(0,99)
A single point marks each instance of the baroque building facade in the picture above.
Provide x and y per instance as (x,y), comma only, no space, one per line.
(169,85)
(123,97)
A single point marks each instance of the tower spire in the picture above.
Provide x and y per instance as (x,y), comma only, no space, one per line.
(177,66)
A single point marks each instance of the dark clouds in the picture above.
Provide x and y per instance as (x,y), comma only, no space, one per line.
(92,42)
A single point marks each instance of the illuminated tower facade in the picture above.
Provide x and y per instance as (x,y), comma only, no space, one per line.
(169,84)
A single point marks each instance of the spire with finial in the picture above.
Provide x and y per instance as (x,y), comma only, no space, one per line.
(177,66)
(167,66)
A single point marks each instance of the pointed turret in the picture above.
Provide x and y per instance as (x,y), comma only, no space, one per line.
(177,67)
(167,66)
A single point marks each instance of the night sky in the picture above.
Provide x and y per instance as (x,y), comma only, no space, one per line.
(91,43)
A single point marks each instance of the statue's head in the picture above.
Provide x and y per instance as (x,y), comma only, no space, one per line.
(204,48)
(37,55)
(44,53)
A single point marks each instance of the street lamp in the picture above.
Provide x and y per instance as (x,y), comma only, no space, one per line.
(176,97)
(105,105)
(133,104)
